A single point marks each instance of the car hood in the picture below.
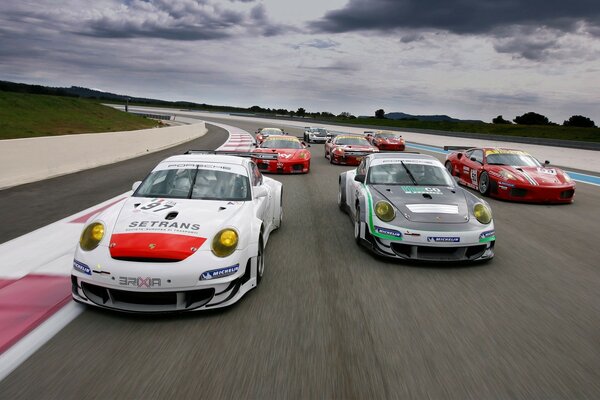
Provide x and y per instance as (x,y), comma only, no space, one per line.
(353,147)
(168,229)
(536,175)
(284,154)
(426,204)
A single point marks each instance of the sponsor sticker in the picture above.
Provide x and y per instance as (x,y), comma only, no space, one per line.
(420,190)
(487,236)
(163,226)
(81,267)
(139,282)
(548,171)
(389,232)
(219,273)
(504,151)
(443,239)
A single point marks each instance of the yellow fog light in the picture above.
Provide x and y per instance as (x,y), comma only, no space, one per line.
(224,242)
(482,213)
(91,236)
(385,211)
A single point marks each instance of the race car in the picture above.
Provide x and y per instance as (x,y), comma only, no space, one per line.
(263,133)
(389,141)
(292,157)
(348,149)
(316,135)
(407,206)
(510,175)
(191,237)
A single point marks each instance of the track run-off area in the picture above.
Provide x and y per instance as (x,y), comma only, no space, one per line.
(329,319)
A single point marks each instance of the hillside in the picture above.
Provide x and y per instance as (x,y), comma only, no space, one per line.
(30,115)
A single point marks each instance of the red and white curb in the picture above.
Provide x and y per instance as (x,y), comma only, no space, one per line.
(35,269)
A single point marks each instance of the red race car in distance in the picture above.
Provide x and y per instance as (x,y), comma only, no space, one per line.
(390,141)
(263,133)
(348,149)
(292,155)
(510,175)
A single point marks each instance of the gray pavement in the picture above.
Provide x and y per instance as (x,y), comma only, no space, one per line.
(331,321)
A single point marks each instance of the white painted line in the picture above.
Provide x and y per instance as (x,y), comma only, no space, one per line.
(24,348)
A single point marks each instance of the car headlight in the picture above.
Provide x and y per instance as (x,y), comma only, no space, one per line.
(225,242)
(482,213)
(384,211)
(302,155)
(91,236)
(507,175)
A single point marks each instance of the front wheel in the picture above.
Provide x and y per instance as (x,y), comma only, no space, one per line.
(357,225)
(260,261)
(484,183)
(449,167)
(340,198)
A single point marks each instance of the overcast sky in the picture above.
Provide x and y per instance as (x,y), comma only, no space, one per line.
(472,59)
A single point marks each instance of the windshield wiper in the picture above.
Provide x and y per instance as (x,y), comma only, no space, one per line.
(409,173)
(496,163)
(189,196)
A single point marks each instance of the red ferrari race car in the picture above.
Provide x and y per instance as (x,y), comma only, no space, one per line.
(390,141)
(263,133)
(348,149)
(510,175)
(292,155)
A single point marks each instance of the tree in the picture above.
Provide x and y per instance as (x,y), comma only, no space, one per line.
(532,118)
(500,120)
(326,114)
(580,121)
(345,114)
(380,113)
(301,112)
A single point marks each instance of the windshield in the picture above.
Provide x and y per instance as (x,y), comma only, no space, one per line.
(355,141)
(320,131)
(192,183)
(271,131)
(409,174)
(280,144)
(517,160)
(388,136)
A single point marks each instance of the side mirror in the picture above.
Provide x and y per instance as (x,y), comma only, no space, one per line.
(546,163)
(136,185)
(360,178)
(475,160)
(260,191)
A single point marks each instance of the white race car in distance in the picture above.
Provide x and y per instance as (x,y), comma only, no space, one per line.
(191,237)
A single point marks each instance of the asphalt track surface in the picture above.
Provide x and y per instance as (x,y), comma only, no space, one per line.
(331,321)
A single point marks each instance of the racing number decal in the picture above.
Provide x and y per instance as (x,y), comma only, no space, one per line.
(474,176)
(150,206)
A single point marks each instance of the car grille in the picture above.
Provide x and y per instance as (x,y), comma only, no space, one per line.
(431,253)
(567,194)
(147,301)
(518,192)
(297,167)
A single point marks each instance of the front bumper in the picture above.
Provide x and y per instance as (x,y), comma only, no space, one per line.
(432,246)
(391,147)
(346,159)
(284,167)
(532,194)
(158,287)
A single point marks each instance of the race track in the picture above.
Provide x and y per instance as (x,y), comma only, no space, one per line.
(330,320)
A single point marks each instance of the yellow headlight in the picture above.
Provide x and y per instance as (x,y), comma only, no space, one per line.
(224,242)
(482,213)
(385,211)
(302,154)
(91,236)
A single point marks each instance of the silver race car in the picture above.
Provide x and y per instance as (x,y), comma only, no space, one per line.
(407,206)
(316,135)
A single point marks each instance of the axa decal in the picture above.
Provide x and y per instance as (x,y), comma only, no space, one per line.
(420,190)
(81,267)
(219,273)
(139,282)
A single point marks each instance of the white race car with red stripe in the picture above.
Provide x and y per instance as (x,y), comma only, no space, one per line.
(191,237)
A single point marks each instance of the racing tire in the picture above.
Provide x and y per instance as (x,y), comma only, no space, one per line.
(331,159)
(280,209)
(340,198)
(260,261)
(484,183)
(357,238)
(450,168)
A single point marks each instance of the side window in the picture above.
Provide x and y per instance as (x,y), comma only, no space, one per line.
(478,155)
(257,178)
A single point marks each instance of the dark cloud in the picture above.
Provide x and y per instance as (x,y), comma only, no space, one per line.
(473,17)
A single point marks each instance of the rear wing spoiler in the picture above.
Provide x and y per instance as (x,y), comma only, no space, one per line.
(453,148)
(248,154)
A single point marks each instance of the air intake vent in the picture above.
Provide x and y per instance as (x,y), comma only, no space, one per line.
(171,215)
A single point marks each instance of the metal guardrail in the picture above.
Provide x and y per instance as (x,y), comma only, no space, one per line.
(165,117)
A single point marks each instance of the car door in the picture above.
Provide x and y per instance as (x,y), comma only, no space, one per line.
(472,166)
